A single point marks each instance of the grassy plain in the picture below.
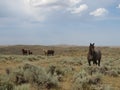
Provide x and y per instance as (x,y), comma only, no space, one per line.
(66,70)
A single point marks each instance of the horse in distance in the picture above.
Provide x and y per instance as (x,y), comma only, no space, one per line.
(30,52)
(49,52)
(24,52)
(94,55)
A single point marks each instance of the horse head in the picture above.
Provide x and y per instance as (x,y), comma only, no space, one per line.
(91,48)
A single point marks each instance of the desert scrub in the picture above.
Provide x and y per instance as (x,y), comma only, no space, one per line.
(108,87)
(105,70)
(117,68)
(39,76)
(109,70)
(22,87)
(36,76)
(5,84)
(12,58)
(112,73)
(59,71)
(108,62)
(71,61)
(20,58)
(84,81)
(17,76)
(94,69)
(80,81)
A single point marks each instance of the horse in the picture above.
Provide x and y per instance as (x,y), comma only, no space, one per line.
(94,55)
(30,52)
(49,52)
(24,52)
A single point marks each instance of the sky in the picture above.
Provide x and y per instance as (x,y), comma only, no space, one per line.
(60,22)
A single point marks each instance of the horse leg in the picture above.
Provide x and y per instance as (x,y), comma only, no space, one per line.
(96,62)
(23,53)
(93,62)
(89,62)
(48,54)
(52,54)
(99,62)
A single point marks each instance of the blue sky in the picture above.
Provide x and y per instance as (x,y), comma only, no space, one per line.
(53,22)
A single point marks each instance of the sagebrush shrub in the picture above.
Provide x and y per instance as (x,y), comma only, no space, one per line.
(6,86)
(33,75)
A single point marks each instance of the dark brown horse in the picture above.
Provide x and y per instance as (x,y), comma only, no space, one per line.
(30,52)
(94,55)
(24,52)
(49,52)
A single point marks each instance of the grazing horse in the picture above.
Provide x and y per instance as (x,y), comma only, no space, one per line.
(94,55)
(24,52)
(49,52)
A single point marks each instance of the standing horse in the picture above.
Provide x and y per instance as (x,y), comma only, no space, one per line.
(30,52)
(24,52)
(49,52)
(94,55)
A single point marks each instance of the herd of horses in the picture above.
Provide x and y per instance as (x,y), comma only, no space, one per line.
(29,52)
(93,55)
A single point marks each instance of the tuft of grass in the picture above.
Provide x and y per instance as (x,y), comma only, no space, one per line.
(6,86)
(5,83)
(85,81)
(80,81)
(71,61)
(22,87)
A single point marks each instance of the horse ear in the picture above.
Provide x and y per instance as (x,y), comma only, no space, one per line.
(90,44)
(93,44)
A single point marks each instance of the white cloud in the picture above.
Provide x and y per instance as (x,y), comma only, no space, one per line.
(40,9)
(78,10)
(118,6)
(42,2)
(74,2)
(47,6)
(52,5)
(99,12)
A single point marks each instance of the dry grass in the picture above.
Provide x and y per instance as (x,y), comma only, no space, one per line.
(70,60)
(113,81)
